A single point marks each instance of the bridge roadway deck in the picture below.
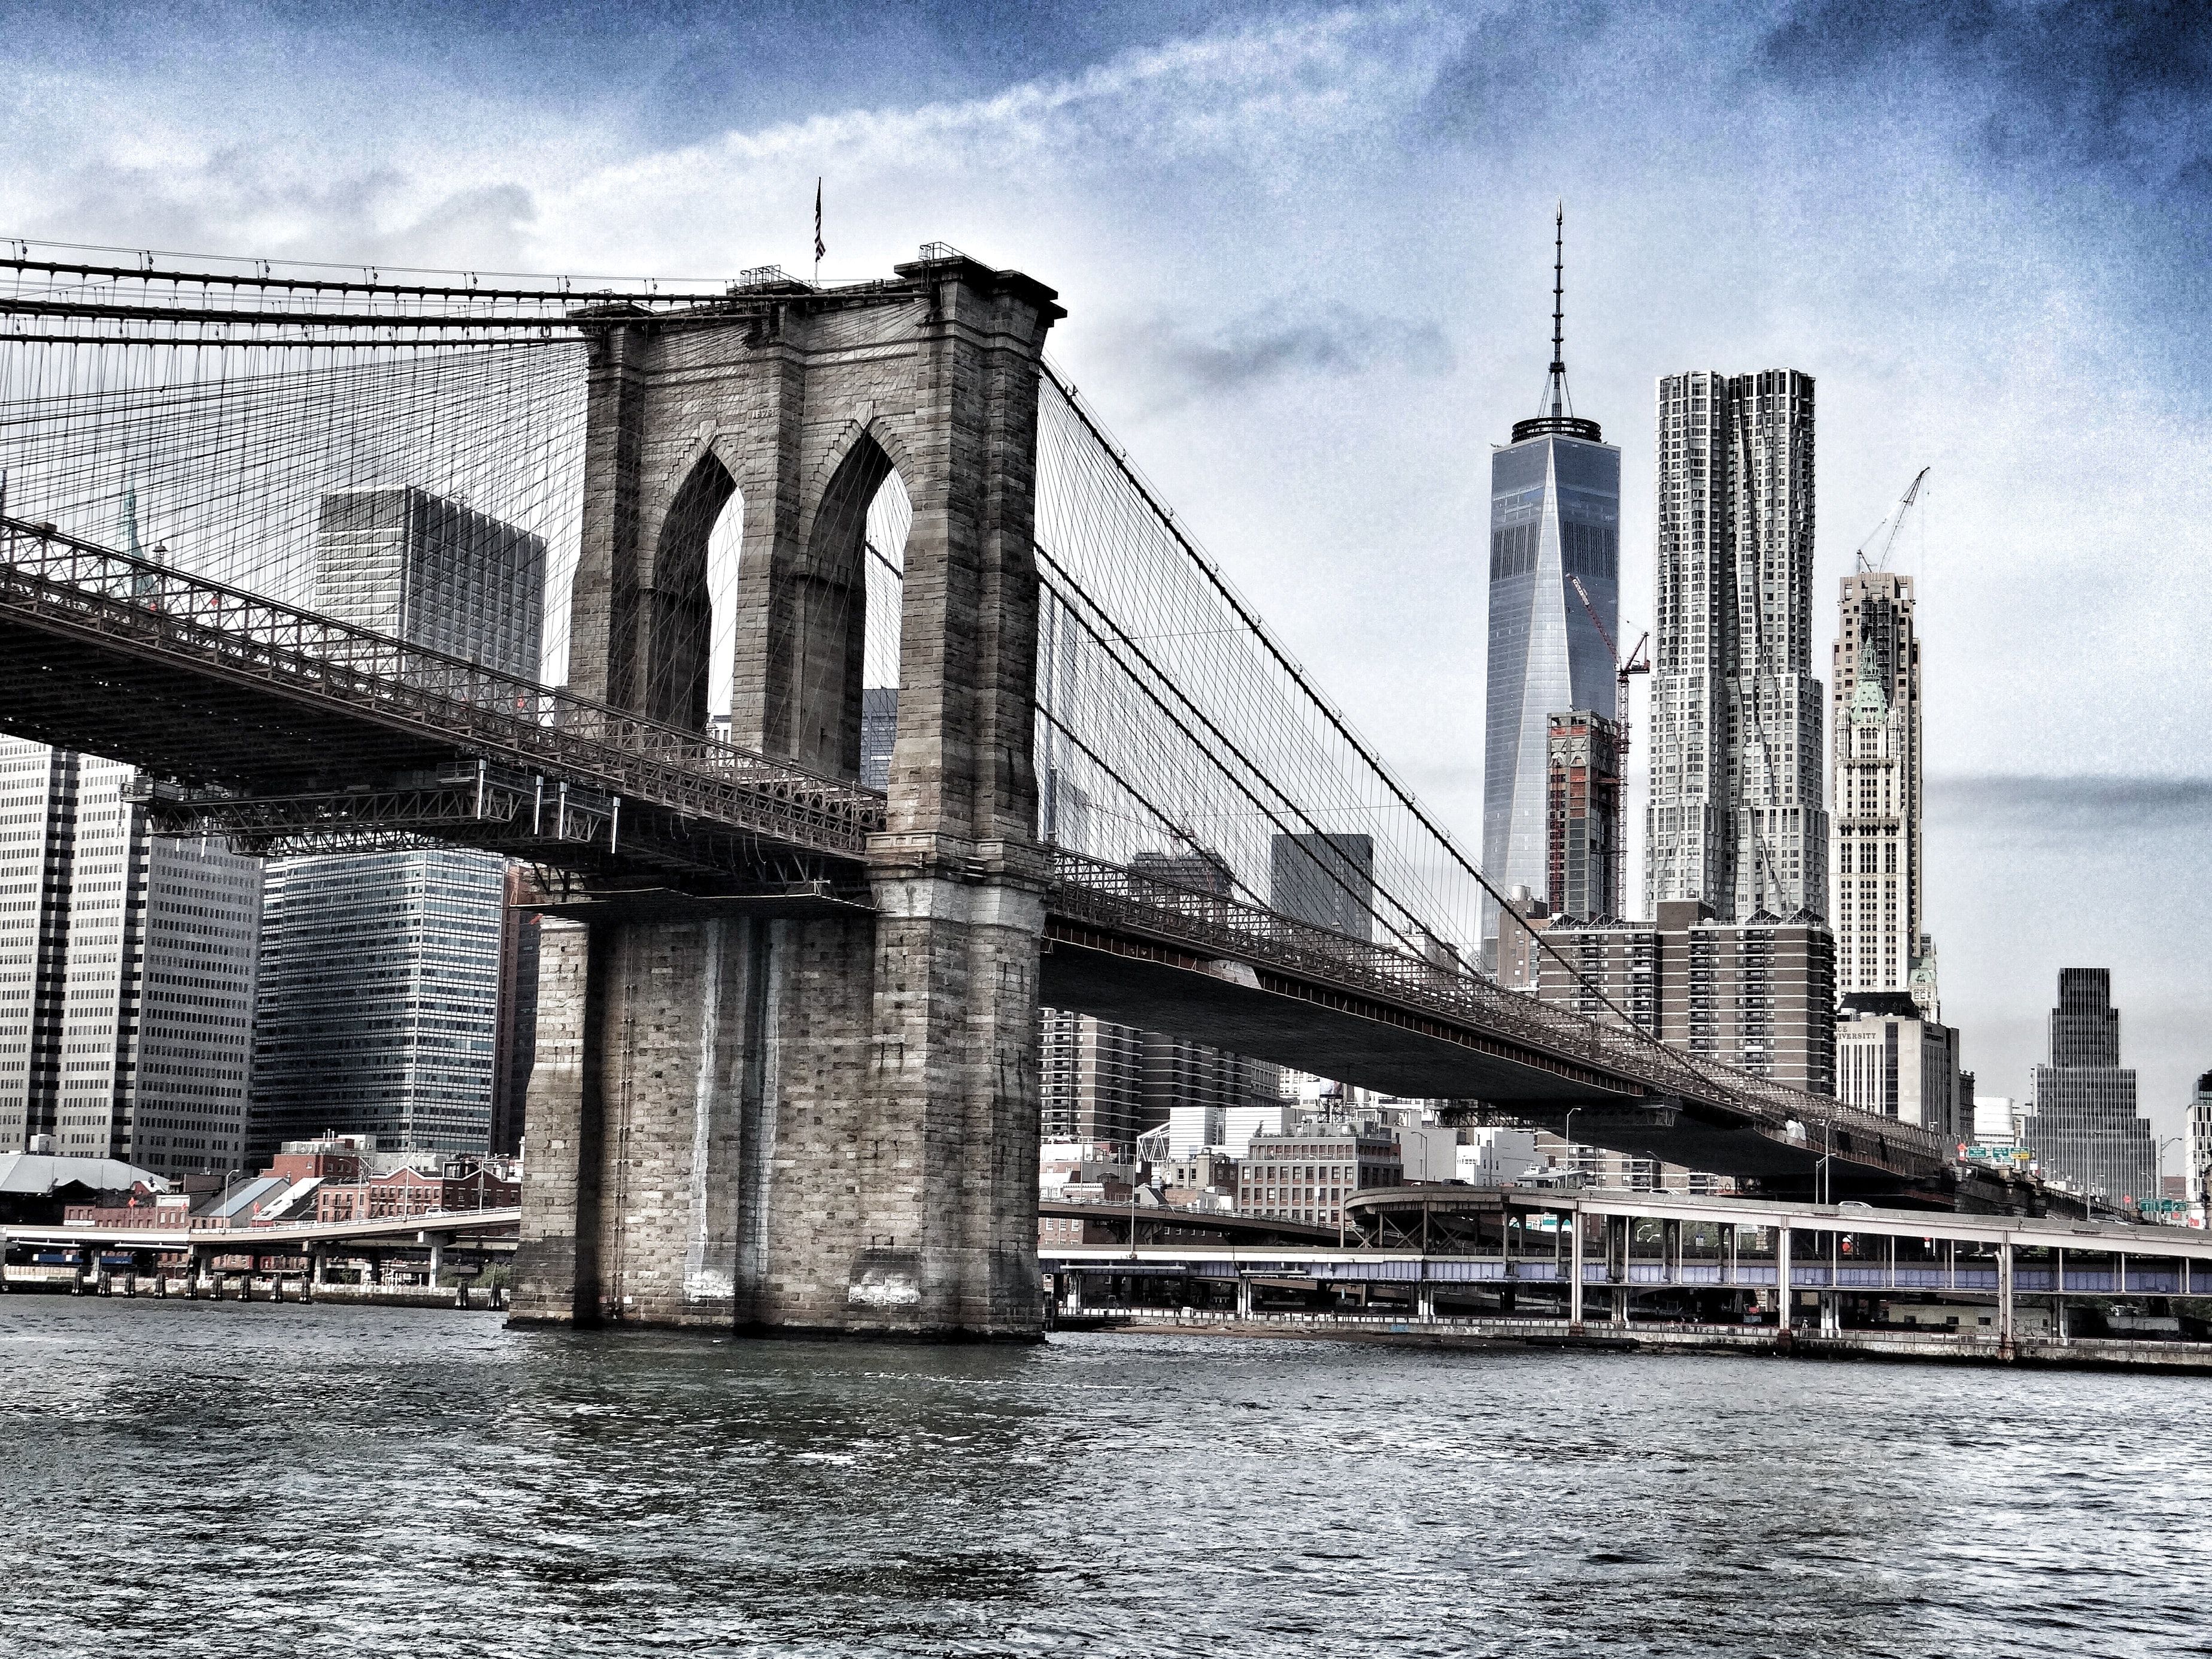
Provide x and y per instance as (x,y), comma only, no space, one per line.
(280,728)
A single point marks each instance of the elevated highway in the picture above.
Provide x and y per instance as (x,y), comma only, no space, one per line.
(1544,1267)
(304,1238)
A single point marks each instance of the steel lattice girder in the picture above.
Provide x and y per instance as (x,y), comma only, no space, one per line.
(191,679)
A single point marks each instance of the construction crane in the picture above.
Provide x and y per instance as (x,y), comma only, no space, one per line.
(1638,661)
(1895,522)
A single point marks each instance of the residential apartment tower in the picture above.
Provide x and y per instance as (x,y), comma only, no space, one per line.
(1736,816)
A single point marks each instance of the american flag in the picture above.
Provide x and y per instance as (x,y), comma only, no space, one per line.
(818,249)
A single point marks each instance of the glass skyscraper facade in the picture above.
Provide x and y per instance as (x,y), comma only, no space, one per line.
(379,980)
(126,972)
(406,562)
(381,974)
(1554,598)
(1554,517)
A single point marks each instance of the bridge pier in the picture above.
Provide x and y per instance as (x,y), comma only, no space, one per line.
(2005,1339)
(789,1123)
(750,1117)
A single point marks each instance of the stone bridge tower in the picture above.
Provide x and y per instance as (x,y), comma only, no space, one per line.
(746,1119)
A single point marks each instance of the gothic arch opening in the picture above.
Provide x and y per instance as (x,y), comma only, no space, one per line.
(841,613)
(681,623)
(890,515)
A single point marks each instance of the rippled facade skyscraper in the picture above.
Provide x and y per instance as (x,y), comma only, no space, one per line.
(1554,520)
(1736,816)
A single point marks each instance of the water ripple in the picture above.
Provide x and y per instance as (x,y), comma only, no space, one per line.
(195,1480)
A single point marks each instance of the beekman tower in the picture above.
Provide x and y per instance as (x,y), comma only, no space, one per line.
(1735,817)
(1554,520)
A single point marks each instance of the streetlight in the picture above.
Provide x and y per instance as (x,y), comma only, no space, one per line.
(2158,1160)
(1568,1135)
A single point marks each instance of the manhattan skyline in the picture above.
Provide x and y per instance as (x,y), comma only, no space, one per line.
(1313,348)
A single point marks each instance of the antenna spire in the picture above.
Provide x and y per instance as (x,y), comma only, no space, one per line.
(1558,307)
(1555,409)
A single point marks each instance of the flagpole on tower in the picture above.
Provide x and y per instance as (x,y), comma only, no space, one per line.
(818,249)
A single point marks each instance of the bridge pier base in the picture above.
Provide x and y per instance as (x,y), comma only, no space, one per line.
(790,1124)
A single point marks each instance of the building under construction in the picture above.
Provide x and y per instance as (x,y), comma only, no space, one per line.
(1582,816)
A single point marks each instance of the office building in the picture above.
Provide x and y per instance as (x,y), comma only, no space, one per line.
(1327,880)
(1876,853)
(1735,819)
(1305,1172)
(1554,522)
(434,572)
(379,999)
(1519,940)
(1997,1121)
(2084,1131)
(1106,1084)
(2200,1141)
(383,973)
(1194,869)
(1497,1156)
(1581,815)
(1759,993)
(1090,1079)
(1892,1061)
(878,727)
(126,972)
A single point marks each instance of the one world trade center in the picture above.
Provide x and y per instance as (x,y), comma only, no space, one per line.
(1554,522)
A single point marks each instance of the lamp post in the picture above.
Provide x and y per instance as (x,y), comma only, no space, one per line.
(1567,1134)
(2158,1170)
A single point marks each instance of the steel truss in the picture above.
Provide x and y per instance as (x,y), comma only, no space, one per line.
(639,789)
(1109,896)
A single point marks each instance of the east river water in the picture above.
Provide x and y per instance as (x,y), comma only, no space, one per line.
(182,1478)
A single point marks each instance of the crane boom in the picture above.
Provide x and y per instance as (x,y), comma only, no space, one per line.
(1896,522)
(1583,593)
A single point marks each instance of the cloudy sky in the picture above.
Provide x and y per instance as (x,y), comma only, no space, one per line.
(1305,255)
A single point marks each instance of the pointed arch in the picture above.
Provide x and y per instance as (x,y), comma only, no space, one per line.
(819,626)
(680,633)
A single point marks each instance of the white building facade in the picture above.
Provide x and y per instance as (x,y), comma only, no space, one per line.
(127,973)
(1895,1064)
(2200,1140)
(1876,850)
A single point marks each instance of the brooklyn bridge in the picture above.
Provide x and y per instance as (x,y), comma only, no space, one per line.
(786,1066)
